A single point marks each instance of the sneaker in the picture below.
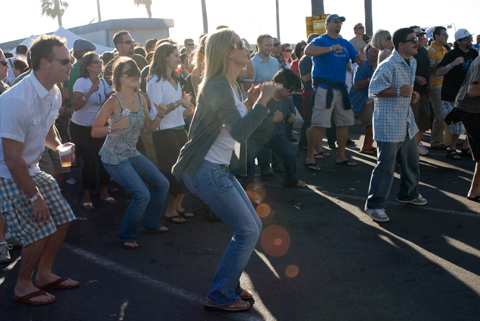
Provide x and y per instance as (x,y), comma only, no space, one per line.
(4,253)
(417,201)
(422,150)
(377,214)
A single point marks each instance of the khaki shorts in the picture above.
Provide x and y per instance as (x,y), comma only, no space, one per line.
(322,116)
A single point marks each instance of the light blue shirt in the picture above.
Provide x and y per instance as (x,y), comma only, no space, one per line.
(393,118)
(264,68)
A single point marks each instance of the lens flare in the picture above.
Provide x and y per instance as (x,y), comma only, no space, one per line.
(292,271)
(275,241)
(264,210)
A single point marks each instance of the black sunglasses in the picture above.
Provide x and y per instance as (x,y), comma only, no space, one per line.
(412,40)
(64,62)
(3,63)
(129,42)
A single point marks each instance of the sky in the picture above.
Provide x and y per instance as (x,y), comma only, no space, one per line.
(248,18)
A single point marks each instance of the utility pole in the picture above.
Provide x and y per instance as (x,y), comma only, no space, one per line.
(204,16)
(277,9)
(368,18)
(99,11)
(317,7)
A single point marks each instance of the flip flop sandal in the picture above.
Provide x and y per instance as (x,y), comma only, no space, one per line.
(453,154)
(185,214)
(109,200)
(247,296)
(322,155)
(59,284)
(312,166)
(474,199)
(347,162)
(161,230)
(27,299)
(372,151)
(88,206)
(128,245)
(177,219)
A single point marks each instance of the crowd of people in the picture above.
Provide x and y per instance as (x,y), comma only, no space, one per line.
(163,120)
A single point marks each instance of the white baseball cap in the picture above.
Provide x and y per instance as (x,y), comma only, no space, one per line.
(462,33)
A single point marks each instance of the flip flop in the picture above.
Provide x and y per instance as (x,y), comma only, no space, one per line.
(372,151)
(474,199)
(59,284)
(347,162)
(185,213)
(247,296)
(88,206)
(109,200)
(177,219)
(312,166)
(130,247)
(27,299)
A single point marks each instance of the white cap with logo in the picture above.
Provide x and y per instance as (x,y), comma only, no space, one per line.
(462,33)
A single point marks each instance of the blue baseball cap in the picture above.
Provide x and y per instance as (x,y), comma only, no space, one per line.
(334,18)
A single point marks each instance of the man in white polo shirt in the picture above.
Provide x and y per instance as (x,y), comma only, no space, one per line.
(36,213)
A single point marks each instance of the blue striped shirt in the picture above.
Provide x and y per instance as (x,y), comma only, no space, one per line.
(393,119)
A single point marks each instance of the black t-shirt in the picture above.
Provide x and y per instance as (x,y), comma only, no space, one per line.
(423,69)
(453,80)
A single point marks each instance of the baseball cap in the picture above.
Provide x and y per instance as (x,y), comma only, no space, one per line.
(462,33)
(335,17)
(83,45)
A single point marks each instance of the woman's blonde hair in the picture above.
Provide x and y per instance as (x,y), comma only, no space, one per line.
(217,47)
(379,38)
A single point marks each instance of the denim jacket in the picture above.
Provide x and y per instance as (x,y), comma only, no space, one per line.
(215,108)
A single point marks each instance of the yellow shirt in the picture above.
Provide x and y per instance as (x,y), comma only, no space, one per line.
(436,52)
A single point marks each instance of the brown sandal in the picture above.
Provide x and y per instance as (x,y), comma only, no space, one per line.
(60,284)
(27,299)
(238,306)
(247,296)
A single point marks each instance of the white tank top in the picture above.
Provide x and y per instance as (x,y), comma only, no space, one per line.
(221,150)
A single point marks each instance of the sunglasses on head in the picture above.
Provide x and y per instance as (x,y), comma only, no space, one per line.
(239,45)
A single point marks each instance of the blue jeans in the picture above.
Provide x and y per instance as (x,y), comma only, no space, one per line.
(382,175)
(281,147)
(221,191)
(149,189)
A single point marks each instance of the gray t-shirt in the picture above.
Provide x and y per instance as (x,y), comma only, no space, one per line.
(465,103)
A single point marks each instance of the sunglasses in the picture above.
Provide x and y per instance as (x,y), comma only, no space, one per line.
(239,45)
(64,62)
(3,63)
(469,38)
(412,40)
(129,42)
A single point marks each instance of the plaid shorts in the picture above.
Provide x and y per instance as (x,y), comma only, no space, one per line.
(17,210)
(454,128)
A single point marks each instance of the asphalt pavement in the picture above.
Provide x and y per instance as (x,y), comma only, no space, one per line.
(320,257)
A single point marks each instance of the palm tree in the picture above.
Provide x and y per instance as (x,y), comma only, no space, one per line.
(54,9)
(147,4)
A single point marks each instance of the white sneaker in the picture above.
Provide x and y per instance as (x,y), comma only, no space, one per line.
(377,214)
(422,150)
(4,253)
(417,201)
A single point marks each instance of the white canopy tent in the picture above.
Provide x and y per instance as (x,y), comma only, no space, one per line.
(69,36)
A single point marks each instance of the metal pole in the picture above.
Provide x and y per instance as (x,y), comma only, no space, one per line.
(368,18)
(277,7)
(317,7)
(99,11)
(204,16)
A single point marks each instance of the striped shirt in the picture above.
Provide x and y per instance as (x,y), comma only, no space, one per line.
(393,119)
